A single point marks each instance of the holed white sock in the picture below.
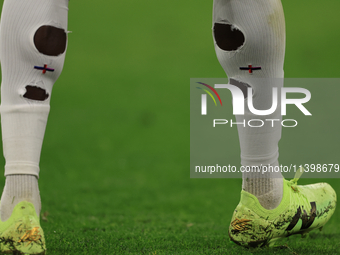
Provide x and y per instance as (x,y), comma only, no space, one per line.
(33,42)
(249,41)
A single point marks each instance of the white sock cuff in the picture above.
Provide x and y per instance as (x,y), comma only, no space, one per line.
(260,160)
(24,108)
(19,168)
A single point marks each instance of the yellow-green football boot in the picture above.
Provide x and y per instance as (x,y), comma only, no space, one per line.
(302,209)
(22,233)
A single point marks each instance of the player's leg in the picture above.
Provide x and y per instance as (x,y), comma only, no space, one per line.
(252,33)
(250,45)
(33,39)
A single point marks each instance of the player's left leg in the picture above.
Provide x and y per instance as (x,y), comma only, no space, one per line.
(250,45)
(33,41)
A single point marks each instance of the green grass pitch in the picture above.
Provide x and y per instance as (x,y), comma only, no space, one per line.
(115,161)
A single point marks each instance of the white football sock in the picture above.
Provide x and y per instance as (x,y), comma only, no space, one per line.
(33,39)
(250,45)
(20,188)
(268,188)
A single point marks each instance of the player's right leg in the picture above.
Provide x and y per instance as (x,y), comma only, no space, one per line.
(250,45)
(33,39)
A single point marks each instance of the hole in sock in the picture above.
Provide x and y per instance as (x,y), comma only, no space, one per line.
(50,40)
(242,86)
(35,93)
(227,37)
